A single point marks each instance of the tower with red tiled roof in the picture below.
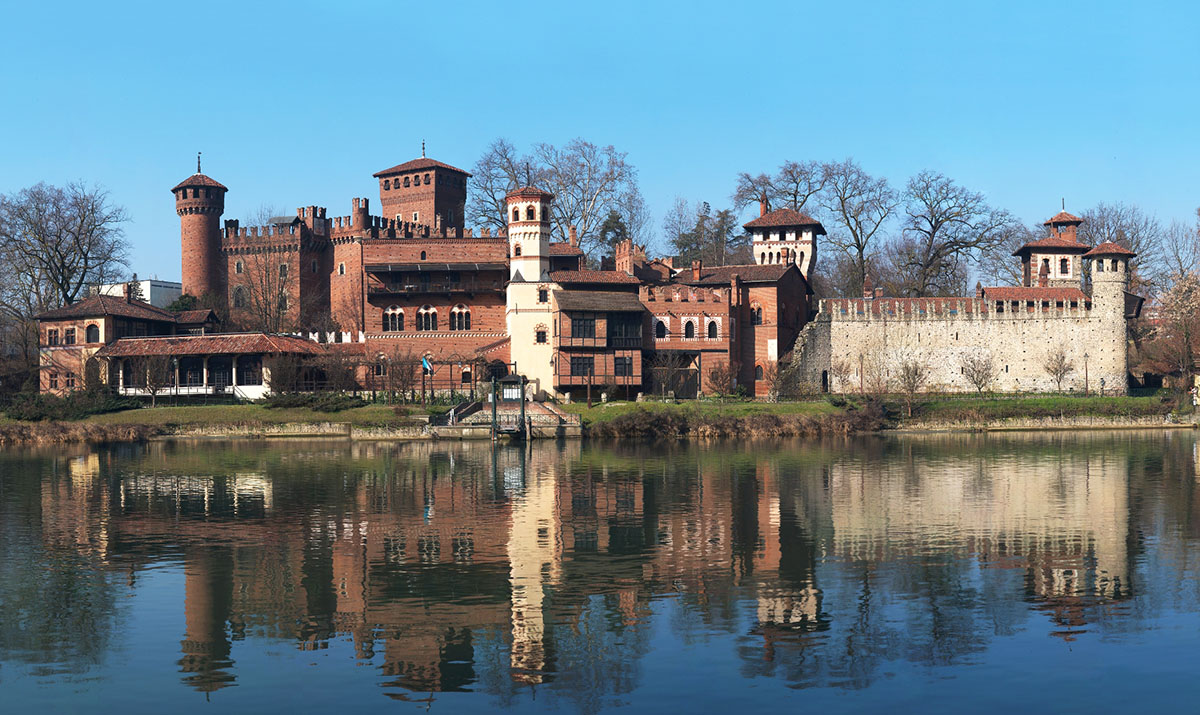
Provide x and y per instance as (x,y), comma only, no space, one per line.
(785,236)
(425,192)
(1056,260)
(200,201)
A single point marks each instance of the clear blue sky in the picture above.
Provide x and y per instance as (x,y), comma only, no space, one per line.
(299,103)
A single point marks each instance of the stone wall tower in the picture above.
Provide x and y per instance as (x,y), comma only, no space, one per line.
(200,201)
(1110,310)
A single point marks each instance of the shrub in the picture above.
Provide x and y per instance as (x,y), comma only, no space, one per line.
(33,407)
(316,401)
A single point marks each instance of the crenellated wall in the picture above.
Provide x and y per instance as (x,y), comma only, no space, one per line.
(869,337)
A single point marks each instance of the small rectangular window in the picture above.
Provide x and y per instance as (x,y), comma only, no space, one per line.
(283,270)
(543,295)
(69,336)
(541,336)
(341,269)
(69,381)
(314,265)
(583,366)
(623,366)
(416,216)
(583,327)
(53,381)
(52,337)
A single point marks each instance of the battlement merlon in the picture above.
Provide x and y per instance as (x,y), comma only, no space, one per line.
(943,309)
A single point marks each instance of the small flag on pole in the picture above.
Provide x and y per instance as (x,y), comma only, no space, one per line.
(425,364)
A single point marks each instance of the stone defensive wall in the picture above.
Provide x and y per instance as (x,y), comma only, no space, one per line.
(852,344)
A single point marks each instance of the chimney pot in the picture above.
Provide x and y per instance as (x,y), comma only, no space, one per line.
(762,208)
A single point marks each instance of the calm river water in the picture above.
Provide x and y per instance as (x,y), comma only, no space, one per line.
(945,573)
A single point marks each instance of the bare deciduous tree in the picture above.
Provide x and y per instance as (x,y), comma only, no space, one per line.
(798,182)
(721,378)
(1057,366)
(912,373)
(158,373)
(839,373)
(946,227)
(997,264)
(859,205)
(260,298)
(1172,346)
(980,370)
(754,190)
(55,242)
(587,180)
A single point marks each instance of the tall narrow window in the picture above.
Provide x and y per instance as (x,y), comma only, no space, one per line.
(516,214)
(1064,266)
(239,297)
(712,329)
(460,318)
(530,213)
(93,333)
(238,268)
(660,329)
(393,319)
(689,329)
(283,270)
(758,372)
(69,336)
(427,318)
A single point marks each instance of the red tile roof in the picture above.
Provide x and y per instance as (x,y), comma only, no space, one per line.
(1034,293)
(531,192)
(417,165)
(1057,243)
(1062,217)
(565,249)
(592,277)
(196,316)
(749,273)
(218,344)
(100,305)
(442,345)
(1108,248)
(199,180)
(786,217)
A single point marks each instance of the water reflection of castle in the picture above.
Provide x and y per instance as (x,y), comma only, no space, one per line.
(421,553)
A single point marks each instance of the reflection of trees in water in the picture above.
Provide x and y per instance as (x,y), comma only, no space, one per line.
(58,603)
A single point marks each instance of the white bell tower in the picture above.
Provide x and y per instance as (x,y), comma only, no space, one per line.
(529,234)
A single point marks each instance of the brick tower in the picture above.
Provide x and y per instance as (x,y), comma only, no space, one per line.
(200,201)
(425,192)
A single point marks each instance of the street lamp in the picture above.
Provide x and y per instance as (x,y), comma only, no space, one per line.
(1085,374)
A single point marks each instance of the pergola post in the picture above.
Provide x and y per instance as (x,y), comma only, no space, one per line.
(206,384)
(233,373)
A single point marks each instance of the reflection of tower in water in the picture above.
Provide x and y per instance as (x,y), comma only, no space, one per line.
(207,605)
(534,554)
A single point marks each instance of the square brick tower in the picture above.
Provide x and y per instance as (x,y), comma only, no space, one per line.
(425,192)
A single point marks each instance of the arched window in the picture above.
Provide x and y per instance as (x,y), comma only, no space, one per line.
(387,184)
(712,329)
(239,297)
(762,258)
(422,255)
(756,315)
(689,329)
(516,214)
(516,249)
(758,372)
(466,376)
(546,214)
(530,213)
(393,319)
(427,318)
(660,329)
(1100,266)
(406,182)
(1113,265)
(460,318)
(1064,266)
(93,333)
(427,179)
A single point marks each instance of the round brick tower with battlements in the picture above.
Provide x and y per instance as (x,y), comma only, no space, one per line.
(200,201)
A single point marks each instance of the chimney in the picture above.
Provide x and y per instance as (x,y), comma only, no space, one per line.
(573,237)
(878,292)
(1044,275)
(868,288)
(128,293)
(762,208)
(696,267)
(978,289)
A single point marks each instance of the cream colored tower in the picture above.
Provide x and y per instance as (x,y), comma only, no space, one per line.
(528,314)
